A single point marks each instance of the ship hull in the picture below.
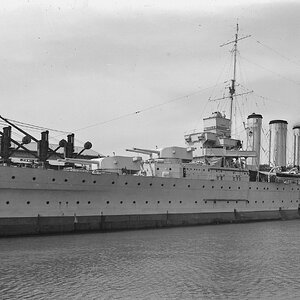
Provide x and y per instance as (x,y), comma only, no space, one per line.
(19,226)
(37,201)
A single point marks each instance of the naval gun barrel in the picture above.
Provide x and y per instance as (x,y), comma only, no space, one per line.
(144,151)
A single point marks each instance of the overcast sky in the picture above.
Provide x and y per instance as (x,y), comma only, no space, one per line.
(70,65)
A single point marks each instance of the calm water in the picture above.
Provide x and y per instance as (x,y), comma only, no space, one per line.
(247,261)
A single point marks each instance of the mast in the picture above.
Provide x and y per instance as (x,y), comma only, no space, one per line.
(232,93)
(232,88)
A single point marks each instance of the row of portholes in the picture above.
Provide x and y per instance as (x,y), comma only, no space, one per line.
(146,202)
(150,184)
(158,202)
(266,188)
(221,187)
(48,202)
(126,183)
(274,201)
(215,201)
(53,179)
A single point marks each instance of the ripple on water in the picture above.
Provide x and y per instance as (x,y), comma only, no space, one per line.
(247,261)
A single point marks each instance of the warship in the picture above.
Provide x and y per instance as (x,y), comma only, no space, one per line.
(213,180)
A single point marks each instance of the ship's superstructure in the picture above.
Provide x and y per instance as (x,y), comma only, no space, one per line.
(211,180)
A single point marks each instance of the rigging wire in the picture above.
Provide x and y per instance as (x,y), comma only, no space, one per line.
(145,109)
(213,91)
(273,72)
(39,128)
(277,52)
(35,127)
(269,99)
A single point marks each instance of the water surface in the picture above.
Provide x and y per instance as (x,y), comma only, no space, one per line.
(234,261)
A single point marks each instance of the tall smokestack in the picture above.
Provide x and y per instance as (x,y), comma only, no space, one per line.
(296,131)
(278,133)
(254,122)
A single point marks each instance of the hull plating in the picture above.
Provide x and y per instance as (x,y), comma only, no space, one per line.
(47,225)
(36,201)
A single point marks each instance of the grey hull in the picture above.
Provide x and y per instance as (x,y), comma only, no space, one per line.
(18,226)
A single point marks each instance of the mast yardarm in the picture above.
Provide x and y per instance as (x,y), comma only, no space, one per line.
(233,80)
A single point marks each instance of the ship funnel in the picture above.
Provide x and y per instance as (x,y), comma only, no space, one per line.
(296,134)
(254,122)
(278,133)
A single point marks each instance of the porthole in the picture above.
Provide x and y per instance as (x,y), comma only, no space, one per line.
(150,184)
(263,201)
(236,201)
(146,202)
(248,201)
(139,183)
(170,202)
(203,186)
(196,202)
(205,201)
(7,202)
(107,202)
(249,187)
(174,184)
(89,202)
(59,202)
(212,187)
(83,180)
(53,179)
(229,187)
(282,201)
(222,187)
(158,202)
(180,201)
(126,183)
(273,201)
(94,181)
(33,178)
(239,188)
(227,201)
(66,180)
(66,202)
(77,202)
(291,201)
(162,184)
(133,202)
(283,189)
(255,201)
(13,177)
(157,169)
(267,188)
(121,202)
(28,202)
(112,182)
(215,201)
(257,187)
(189,185)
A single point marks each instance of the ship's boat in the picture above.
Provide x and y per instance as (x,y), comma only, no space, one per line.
(58,189)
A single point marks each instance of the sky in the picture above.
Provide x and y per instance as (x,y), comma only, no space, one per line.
(125,74)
